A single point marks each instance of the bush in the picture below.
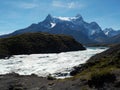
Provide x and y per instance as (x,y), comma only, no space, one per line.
(98,79)
(17,87)
(49,77)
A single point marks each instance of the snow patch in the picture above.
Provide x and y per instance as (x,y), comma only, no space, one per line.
(92,32)
(53,24)
(66,18)
(106,33)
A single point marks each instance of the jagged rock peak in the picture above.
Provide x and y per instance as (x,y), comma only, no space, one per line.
(78,16)
(109,29)
(94,24)
(49,17)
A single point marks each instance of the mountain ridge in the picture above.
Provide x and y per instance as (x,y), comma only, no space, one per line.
(84,32)
(65,25)
(110,32)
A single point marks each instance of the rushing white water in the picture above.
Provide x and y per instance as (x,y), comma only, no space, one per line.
(45,64)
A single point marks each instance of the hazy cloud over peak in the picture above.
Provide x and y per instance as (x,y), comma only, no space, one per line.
(28,5)
(69,5)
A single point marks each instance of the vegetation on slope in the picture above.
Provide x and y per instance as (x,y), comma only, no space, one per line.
(102,70)
(31,43)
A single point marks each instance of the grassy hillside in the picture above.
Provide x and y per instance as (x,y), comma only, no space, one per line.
(101,70)
(31,43)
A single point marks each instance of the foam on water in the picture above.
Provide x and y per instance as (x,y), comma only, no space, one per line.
(45,64)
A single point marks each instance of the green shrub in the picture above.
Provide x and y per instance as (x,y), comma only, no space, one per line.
(98,79)
(49,77)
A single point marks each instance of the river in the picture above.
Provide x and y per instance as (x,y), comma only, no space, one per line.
(45,64)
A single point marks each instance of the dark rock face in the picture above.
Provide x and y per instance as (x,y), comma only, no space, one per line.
(32,43)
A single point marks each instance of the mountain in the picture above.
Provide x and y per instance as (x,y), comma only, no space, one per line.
(113,36)
(32,43)
(114,40)
(111,32)
(75,26)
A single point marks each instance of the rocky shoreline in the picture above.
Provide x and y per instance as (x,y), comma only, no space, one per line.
(14,81)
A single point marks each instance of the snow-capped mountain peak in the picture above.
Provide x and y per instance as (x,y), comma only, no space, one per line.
(111,32)
(79,17)
(50,21)
(108,30)
(50,18)
(75,23)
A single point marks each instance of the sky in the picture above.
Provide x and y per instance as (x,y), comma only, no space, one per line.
(18,14)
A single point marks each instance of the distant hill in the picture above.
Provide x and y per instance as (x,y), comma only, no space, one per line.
(32,43)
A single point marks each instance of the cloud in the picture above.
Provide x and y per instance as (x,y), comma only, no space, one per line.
(28,5)
(23,4)
(69,5)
